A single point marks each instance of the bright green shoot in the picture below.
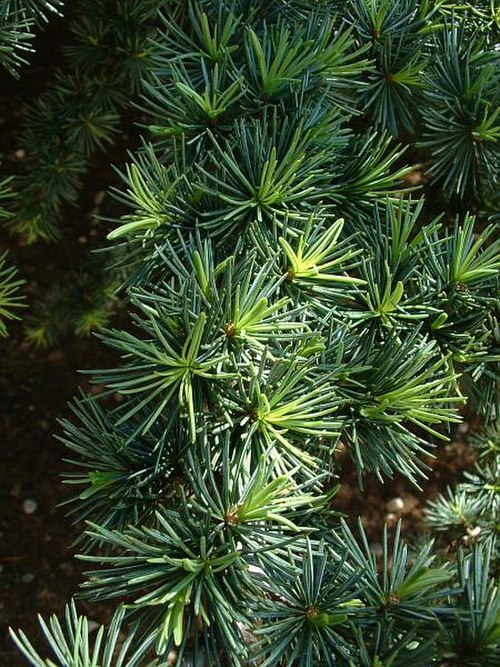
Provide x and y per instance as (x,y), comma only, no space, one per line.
(473,259)
(313,258)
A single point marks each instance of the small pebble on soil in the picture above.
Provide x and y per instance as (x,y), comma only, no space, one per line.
(30,506)
(395,505)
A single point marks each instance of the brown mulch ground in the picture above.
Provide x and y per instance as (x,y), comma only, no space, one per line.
(38,573)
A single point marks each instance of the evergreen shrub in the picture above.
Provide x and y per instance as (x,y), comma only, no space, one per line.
(289,292)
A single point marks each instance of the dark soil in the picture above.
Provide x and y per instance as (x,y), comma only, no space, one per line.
(37,570)
(38,573)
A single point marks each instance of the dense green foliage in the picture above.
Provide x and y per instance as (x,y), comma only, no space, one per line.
(18,18)
(10,283)
(9,294)
(288,292)
(407,67)
(470,512)
(81,113)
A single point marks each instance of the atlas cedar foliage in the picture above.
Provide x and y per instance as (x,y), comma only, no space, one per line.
(469,513)
(83,112)
(79,114)
(18,19)
(289,292)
